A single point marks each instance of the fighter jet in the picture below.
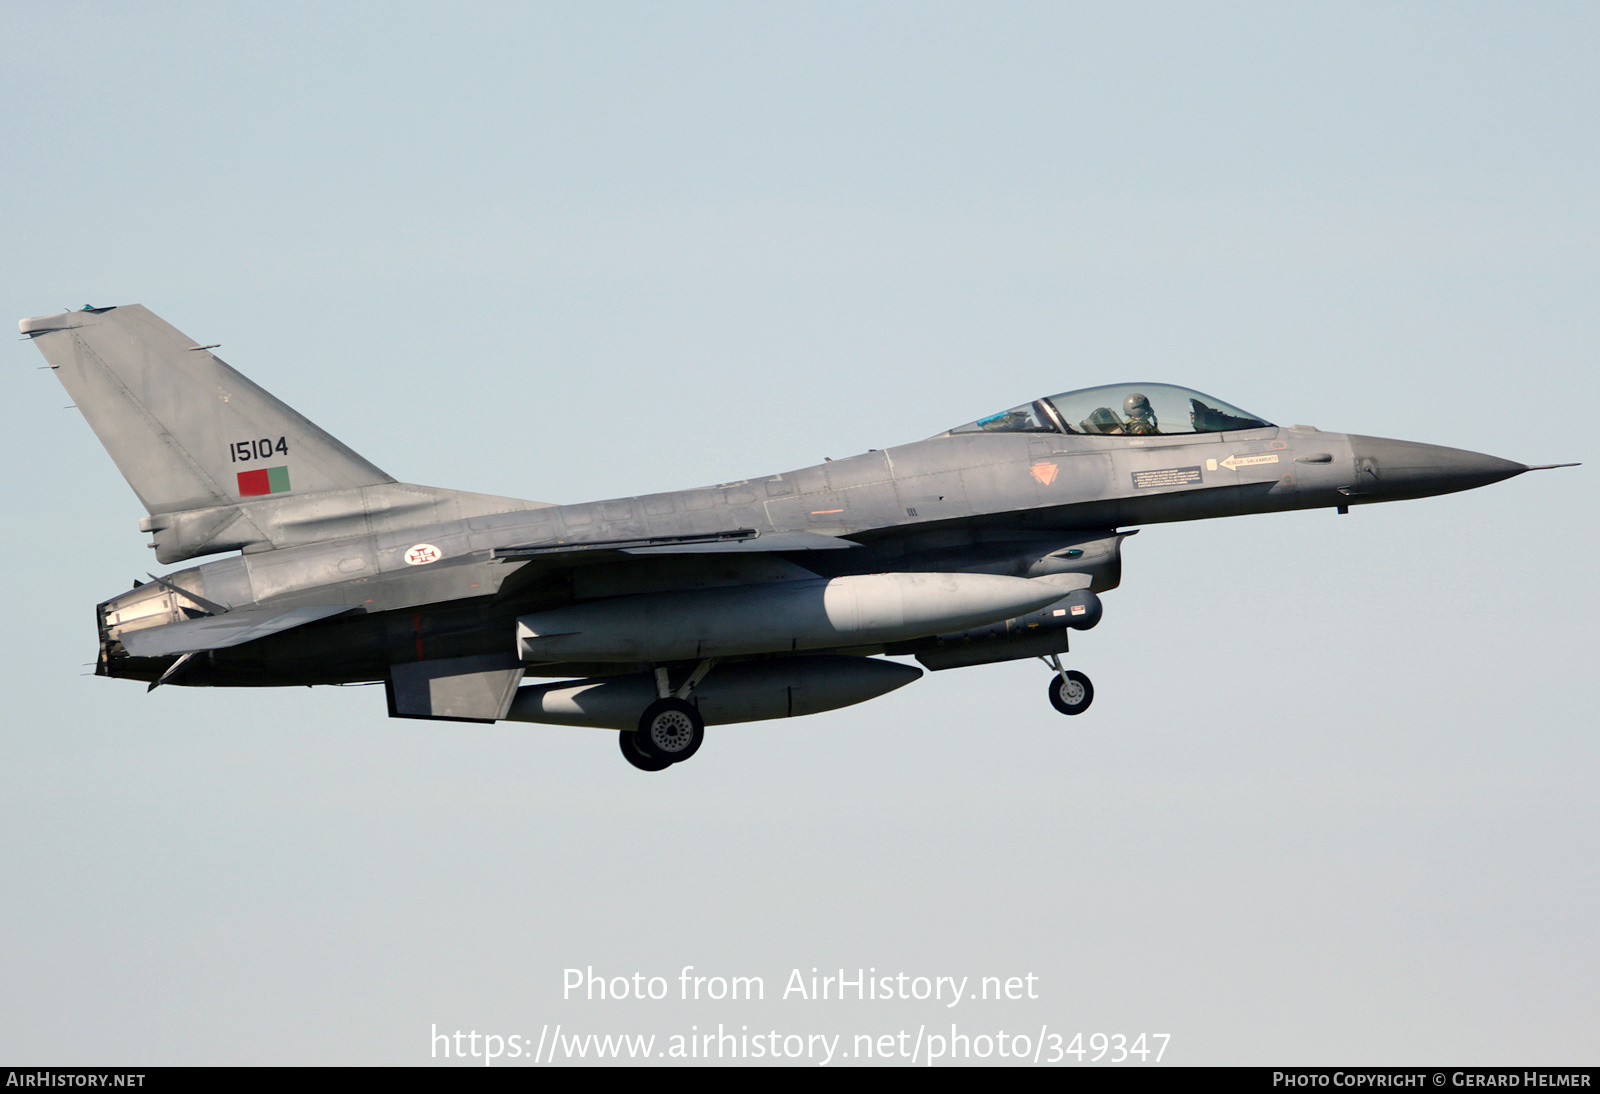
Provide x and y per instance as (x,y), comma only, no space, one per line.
(772,596)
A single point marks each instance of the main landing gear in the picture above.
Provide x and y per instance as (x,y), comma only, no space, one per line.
(670,729)
(1070,691)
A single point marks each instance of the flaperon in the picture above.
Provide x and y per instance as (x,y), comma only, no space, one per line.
(658,615)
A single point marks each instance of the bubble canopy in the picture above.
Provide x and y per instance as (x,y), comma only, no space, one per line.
(1120,410)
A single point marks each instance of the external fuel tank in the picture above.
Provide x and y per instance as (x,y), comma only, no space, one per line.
(778,617)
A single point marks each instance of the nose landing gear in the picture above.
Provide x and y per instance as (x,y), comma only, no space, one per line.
(1070,691)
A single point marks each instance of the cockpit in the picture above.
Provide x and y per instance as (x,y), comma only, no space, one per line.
(1120,410)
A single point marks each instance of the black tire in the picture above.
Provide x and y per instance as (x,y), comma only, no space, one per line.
(1071,693)
(630,752)
(670,730)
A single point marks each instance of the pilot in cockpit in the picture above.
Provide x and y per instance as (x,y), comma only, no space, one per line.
(1137,406)
(1141,415)
(1141,419)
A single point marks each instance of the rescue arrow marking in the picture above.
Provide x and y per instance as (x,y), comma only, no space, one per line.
(1233,463)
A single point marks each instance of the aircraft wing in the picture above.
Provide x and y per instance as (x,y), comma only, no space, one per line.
(769,542)
(738,541)
(215,632)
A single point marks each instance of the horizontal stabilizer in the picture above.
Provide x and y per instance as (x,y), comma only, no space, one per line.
(216,632)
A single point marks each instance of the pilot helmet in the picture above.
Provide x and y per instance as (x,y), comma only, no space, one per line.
(1137,406)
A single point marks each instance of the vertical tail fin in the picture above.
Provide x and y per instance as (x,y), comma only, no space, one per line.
(185,429)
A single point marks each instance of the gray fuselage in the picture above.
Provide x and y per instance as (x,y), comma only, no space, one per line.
(990,503)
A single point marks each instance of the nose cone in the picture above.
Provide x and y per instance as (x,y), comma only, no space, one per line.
(1404,469)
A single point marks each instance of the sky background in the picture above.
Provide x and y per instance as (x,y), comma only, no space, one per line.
(1336,800)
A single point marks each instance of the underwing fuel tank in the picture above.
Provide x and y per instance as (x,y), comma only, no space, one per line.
(780,617)
(744,691)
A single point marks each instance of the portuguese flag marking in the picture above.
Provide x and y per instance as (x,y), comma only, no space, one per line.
(267,480)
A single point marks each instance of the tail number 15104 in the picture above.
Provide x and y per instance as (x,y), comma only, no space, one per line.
(245,451)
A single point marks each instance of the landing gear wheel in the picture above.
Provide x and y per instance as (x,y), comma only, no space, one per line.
(630,752)
(1071,692)
(670,730)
